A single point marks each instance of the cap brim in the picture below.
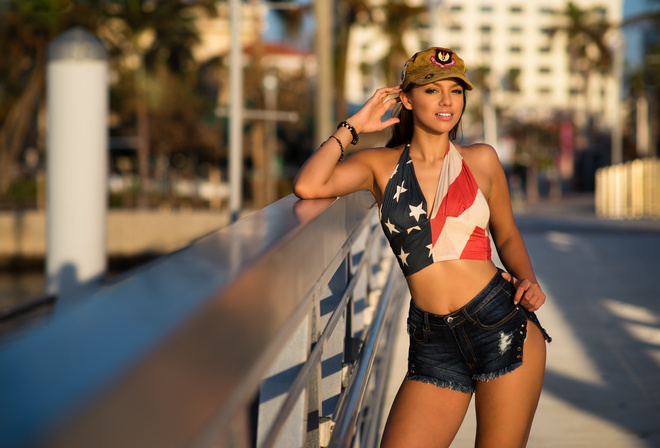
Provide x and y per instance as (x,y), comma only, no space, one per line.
(437,77)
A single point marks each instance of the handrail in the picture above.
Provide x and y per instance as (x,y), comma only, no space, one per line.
(350,405)
(176,352)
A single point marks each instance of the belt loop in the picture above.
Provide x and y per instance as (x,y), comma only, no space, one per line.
(467,315)
(427,326)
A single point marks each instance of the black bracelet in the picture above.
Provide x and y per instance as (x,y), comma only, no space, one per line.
(340,146)
(347,125)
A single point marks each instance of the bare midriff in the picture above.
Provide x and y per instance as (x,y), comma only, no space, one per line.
(446,286)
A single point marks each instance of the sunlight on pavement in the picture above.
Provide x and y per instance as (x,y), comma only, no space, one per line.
(561,241)
(566,348)
(632,313)
(641,324)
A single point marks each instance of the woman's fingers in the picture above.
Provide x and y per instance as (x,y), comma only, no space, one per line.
(369,117)
(528,293)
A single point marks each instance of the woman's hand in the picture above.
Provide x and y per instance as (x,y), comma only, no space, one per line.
(528,293)
(369,117)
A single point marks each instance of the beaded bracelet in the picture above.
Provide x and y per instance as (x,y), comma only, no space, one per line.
(347,125)
(340,146)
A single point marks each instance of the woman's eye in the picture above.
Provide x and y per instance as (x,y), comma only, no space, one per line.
(458,91)
(431,90)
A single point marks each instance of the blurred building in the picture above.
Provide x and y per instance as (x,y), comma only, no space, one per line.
(515,49)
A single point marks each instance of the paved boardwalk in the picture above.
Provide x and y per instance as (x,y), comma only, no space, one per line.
(602,386)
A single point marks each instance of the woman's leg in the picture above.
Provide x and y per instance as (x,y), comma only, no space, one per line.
(506,405)
(424,416)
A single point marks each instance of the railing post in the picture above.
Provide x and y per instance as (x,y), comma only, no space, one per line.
(314,436)
(77,146)
(272,392)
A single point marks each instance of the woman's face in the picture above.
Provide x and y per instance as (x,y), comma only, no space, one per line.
(436,107)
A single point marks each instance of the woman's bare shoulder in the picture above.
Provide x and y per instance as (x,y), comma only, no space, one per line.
(481,156)
(480,151)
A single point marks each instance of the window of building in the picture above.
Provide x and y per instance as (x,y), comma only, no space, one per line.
(486,8)
(456,8)
(455,28)
(544,49)
(545,90)
(515,29)
(485,48)
(547,31)
(515,49)
(486,29)
(546,11)
(545,70)
(512,79)
(516,10)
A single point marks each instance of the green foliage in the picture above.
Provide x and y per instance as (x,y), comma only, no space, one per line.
(148,40)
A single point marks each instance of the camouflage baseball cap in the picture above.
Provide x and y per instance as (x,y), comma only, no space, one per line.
(432,65)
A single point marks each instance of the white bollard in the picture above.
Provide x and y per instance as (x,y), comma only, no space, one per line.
(77,164)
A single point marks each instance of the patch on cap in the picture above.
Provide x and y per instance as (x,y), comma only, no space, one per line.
(443,58)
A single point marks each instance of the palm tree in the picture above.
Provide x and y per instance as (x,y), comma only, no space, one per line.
(399,18)
(588,53)
(26,28)
(348,12)
(645,82)
(146,35)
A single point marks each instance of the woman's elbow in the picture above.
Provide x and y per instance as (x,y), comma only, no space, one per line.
(303,191)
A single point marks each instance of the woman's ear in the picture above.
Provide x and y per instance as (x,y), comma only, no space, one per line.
(405,100)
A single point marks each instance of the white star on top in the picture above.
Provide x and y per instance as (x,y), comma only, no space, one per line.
(430,248)
(403,257)
(399,189)
(391,227)
(416,211)
(414,228)
(396,168)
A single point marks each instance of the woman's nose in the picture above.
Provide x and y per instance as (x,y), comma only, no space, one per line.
(445,99)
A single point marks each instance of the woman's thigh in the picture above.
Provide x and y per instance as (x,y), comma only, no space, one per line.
(506,405)
(425,416)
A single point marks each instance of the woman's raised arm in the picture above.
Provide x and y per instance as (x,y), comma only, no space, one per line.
(322,177)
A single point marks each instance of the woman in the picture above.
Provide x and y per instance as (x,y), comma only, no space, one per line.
(439,203)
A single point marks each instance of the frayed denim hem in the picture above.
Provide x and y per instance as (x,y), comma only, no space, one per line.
(497,374)
(444,384)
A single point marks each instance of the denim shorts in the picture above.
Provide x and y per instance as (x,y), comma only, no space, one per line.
(479,342)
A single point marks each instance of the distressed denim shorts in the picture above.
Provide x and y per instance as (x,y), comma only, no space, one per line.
(481,341)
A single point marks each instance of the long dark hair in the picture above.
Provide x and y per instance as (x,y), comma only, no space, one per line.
(402,131)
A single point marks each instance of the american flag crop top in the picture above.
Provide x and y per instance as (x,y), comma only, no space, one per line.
(457,227)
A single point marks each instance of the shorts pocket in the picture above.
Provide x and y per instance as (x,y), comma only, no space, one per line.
(496,313)
(416,332)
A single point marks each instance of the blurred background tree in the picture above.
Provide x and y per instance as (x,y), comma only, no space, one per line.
(586,31)
(26,28)
(153,75)
(151,44)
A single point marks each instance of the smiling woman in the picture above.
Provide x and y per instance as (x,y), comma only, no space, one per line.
(440,202)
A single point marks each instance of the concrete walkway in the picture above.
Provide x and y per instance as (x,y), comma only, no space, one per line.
(602,386)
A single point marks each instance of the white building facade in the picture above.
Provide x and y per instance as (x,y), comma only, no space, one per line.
(510,46)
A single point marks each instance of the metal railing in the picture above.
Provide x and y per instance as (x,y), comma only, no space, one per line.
(272,332)
(629,191)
